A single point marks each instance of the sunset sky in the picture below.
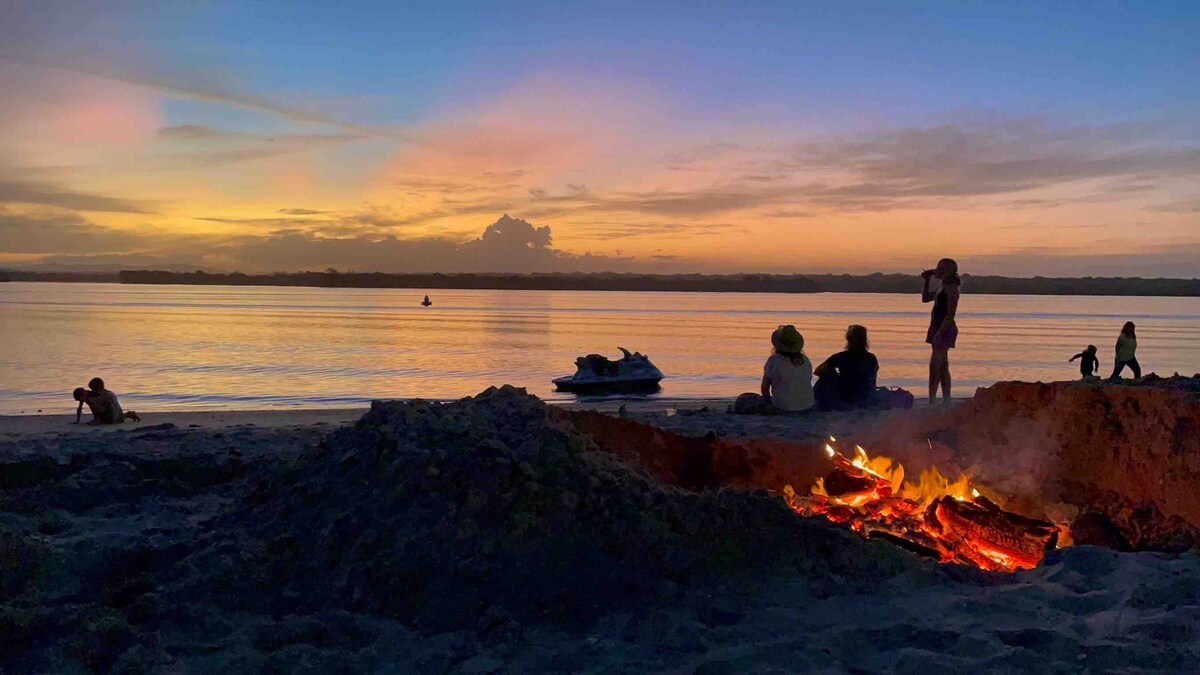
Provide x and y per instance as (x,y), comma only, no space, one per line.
(1051,138)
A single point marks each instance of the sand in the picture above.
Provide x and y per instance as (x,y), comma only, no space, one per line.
(15,426)
(104,530)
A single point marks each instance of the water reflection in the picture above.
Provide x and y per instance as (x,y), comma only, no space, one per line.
(173,347)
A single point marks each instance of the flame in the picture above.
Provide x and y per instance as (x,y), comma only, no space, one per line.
(930,485)
(875,496)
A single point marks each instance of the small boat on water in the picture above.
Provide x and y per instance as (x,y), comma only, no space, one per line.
(426,302)
(597,374)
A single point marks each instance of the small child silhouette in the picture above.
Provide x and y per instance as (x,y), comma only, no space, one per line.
(1089,365)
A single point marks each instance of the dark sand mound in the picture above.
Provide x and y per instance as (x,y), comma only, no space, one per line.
(440,515)
(481,520)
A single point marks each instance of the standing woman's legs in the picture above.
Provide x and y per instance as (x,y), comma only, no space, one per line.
(1137,369)
(939,372)
(935,374)
(1117,368)
(945,375)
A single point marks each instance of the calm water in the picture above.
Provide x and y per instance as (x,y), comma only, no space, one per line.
(178,347)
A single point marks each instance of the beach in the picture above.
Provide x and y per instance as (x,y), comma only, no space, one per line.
(494,534)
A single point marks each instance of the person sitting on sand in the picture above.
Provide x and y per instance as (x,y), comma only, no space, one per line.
(1126,352)
(847,379)
(1089,365)
(787,374)
(103,404)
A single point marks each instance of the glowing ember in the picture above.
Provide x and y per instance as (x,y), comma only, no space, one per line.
(942,518)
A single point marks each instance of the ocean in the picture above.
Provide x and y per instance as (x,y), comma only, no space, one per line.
(220,347)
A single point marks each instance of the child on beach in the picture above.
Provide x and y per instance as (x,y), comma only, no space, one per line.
(103,404)
(1089,365)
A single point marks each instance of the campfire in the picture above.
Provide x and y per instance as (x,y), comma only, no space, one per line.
(949,520)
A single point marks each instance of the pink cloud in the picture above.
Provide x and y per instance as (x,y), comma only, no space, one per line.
(51,107)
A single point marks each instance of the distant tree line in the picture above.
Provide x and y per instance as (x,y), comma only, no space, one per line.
(611,281)
(67,277)
(761,283)
(744,283)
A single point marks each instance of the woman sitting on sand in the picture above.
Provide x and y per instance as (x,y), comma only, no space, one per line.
(943,331)
(1127,352)
(787,374)
(847,379)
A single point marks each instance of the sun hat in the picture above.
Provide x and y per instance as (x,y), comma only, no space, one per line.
(787,340)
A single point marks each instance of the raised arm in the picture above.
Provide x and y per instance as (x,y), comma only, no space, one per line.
(1079,355)
(926,295)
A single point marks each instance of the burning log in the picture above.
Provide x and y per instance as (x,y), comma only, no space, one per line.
(935,517)
(841,483)
(989,536)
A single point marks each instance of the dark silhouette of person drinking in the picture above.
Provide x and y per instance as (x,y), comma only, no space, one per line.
(105,407)
(943,331)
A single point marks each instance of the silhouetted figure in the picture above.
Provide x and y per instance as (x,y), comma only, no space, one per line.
(847,379)
(943,331)
(1089,365)
(103,404)
(426,302)
(1126,352)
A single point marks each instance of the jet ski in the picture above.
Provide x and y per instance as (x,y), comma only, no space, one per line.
(597,374)
(426,302)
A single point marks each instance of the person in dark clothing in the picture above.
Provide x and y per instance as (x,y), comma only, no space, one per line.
(847,379)
(1089,365)
(943,331)
(103,404)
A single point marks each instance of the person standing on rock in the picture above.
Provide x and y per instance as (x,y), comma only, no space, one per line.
(943,332)
(1126,352)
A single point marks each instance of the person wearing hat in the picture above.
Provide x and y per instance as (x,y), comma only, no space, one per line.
(787,375)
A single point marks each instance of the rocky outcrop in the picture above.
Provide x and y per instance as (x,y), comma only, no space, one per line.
(1123,460)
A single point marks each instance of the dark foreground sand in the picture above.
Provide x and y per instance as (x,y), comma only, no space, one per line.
(474,538)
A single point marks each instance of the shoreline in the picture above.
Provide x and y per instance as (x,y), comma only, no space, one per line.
(50,423)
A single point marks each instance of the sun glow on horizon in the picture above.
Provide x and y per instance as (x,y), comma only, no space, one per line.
(142,157)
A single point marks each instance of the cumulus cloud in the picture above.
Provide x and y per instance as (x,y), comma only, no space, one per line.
(507,245)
